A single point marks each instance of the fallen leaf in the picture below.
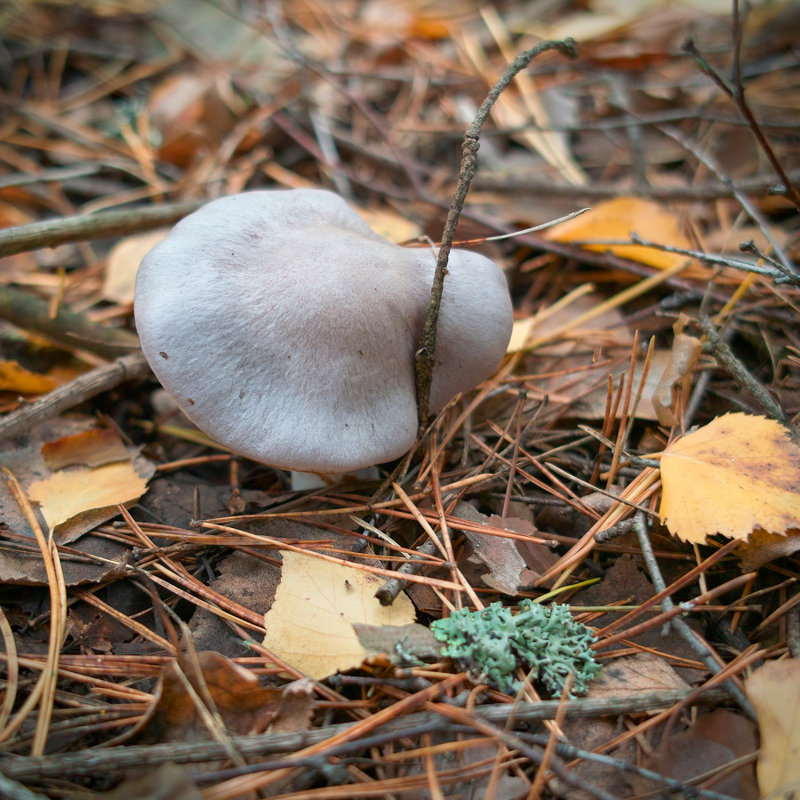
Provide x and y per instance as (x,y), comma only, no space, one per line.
(389,224)
(310,625)
(615,220)
(773,691)
(736,474)
(675,382)
(123,263)
(17,379)
(244,706)
(71,492)
(538,557)
(715,740)
(502,559)
(642,672)
(26,460)
(164,782)
(401,644)
(91,448)
(763,547)
(625,582)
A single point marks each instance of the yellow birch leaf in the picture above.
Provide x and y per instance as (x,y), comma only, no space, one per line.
(310,624)
(71,492)
(774,691)
(615,220)
(736,474)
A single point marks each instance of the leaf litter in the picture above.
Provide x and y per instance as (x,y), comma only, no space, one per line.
(619,464)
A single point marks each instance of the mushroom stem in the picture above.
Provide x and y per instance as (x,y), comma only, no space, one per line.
(303,481)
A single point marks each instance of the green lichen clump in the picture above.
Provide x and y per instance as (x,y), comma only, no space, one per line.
(548,641)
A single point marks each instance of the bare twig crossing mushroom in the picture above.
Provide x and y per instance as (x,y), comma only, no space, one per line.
(285,328)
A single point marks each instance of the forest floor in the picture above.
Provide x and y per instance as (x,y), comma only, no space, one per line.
(620,501)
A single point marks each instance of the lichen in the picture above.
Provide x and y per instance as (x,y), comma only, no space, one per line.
(546,641)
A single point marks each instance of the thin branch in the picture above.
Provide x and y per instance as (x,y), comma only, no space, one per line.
(30,312)
(70,394)
(734,367)
(743,200)
(425,357)
(737,95)
(534,185)
(684,631)
(102,225)
(116,759)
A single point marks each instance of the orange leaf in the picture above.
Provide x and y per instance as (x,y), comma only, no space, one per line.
(14,378)
(737,473)
(615,220)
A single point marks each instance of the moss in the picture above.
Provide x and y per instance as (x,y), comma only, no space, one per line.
(545,640)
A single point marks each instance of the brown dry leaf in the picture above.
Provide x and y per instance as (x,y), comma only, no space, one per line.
(310,625)
(715,740)
(190,111)
(399,644)
(500,556)
(123,263)
(738,473)
(164,782)
(774,691)
(17,379)
(26,460)
(244,706)
(675,383)
(615,220)
(538,557)
(91,448)
(763,547)
(643,672)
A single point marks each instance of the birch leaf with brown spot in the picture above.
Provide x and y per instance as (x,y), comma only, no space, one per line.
(736,474)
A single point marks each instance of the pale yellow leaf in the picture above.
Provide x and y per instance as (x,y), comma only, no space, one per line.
(738,473)
(123,263)
(615,220)
(774,691)
(520,334)
(310,624)
(389,224)
(71,492)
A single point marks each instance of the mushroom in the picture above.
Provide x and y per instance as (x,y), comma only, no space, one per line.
(285,328)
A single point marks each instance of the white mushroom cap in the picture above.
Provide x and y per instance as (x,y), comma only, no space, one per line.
(286,329)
